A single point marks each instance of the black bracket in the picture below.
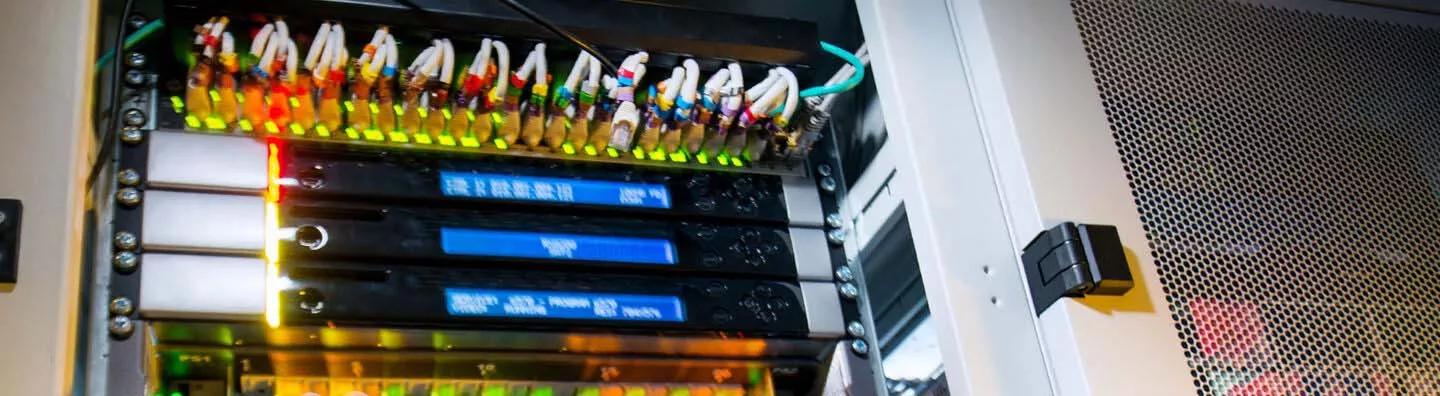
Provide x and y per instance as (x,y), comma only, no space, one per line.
(1074,260)
(9,239)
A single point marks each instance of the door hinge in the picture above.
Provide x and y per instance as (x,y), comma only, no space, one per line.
(1075,260)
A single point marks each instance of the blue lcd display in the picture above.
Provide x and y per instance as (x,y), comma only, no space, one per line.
(563,305)
(551,189)
(539,245)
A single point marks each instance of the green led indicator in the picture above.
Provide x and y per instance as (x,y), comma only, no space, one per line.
(702,158)
(422,138)
(395,390)
(680,392)
(500,144)
(634,391)
(192,122)
(297,130)
(736,162)
(723,159)
(590,150)
(178,104)
(375,135)
(542,391)
(569,149)
(612,152)
(214,96)
(214,123)
(245,126)
(351,133)
(469,141)
(322,131)
(399,137)
(446,140)
(444,390)
(349,107)
(638,153)
(678,156)
(657,155)
(494,390)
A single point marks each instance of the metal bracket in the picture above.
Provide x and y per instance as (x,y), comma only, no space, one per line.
(1074,260)
(10,210)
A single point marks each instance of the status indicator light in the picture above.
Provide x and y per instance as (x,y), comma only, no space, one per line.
(349,106)
(678,156)
(494,390)
(445,112)
(192,122)
(612,152)
(702,158)
(638,153)
(542,391)
(590,150)
(322,130)
(680,392)
(297,130)
(500,144)
(351,133)
(736,162)
(446,140)
(398,110)
(245,126)
(178,104)
(215,123)
(588,391)
(469,141)
(422,138)
(374,108)
(657,155)
(723,159)
(271,127)
(374,135)
(214,96)
(568,148)
(294,102)
(399,137)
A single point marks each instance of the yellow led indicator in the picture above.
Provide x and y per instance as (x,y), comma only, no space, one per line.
(294,102)
(657,155)
(178,104)
(569,149)
(374,108)
(245,126)
(702,158)
(638,153)
(215,123)
(297,130)
(497,118)
(398,110)
(322,131)
(271,127)
(612,152)
(737,162)
(445,140)
(678,156)
(349,107)
(351,133)
(399,137)
(422,138)
(723,159)
(192,122)
(374,135)
(469,141)
(470,115)
(214,96)
(423,113)
(590,150)
(500,144)
(446,113)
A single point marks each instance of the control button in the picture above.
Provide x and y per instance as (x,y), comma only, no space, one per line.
(766,316)
(777,303)
(746,204)
(744,186)
(705,233)
(764,291)
(750,303)
(705,204)
(715,289)
(750,236)
(700,181)
(711,260)
(721,316)
(770,248)
(755,258)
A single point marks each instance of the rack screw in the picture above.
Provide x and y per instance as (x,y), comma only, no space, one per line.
(125,261)
(128,196)
(855,329)
(827,184)
(132,136)
(121,326)
(834,220)
(835,236)
(126,241)
(134,77)
(844,273)
(121,306)
(849,290)
(128,177)
(134,117)
(135,60)
(824,169)
(859,347)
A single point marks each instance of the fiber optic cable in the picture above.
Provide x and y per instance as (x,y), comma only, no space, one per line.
(202,73)
(385,88)
(492,106)
(227,107)
(472,85)
(414,82)
(626,118)
(604,112)
(509,128)
(688,132)
(660,108)
(437,91)
(368,68)
(533,120)
(332,86)
(563,104)
(585,107)
(280,84)
(731,98)
(257,79)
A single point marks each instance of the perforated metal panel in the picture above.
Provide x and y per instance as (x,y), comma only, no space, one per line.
(1286,165)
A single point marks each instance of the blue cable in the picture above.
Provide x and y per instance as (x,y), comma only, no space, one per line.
(843,85)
